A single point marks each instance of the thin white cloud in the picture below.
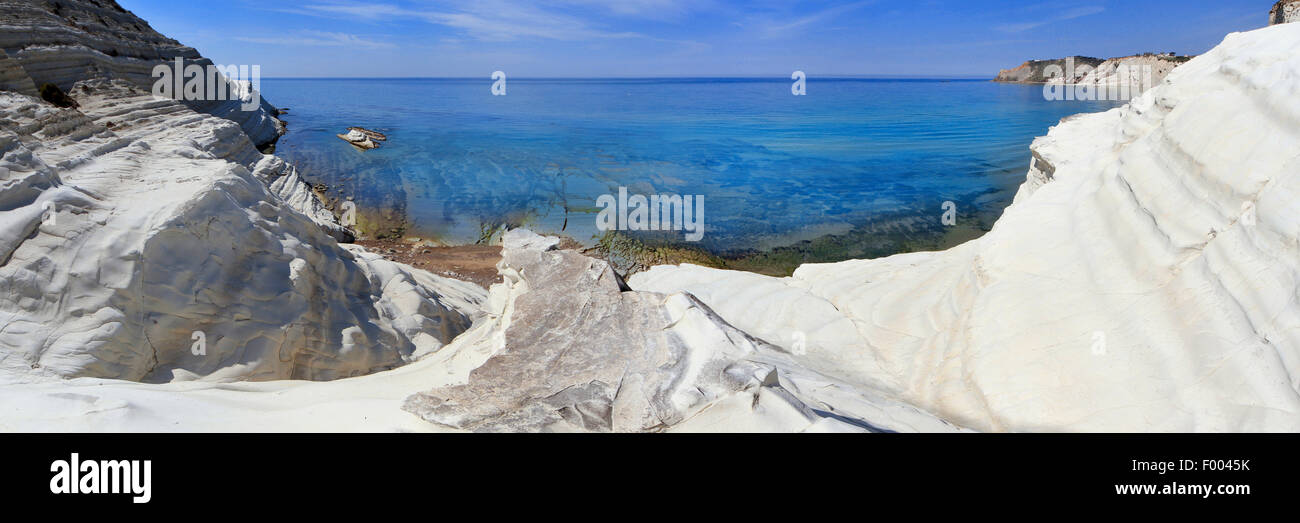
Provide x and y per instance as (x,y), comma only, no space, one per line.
(1070,14)
(770,29)
(489,20)
(655,9)
(356,10)
(320,39)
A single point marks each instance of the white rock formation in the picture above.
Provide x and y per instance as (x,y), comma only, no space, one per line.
(145,240)
(1126,77)
(1146,279)
(565,348)
(131,223)
(569,347)
(1120,78)
(67,41)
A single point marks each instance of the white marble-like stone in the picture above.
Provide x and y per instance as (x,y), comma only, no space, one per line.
(133,223)
(1146,278)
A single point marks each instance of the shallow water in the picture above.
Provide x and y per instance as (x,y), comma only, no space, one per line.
(772,167)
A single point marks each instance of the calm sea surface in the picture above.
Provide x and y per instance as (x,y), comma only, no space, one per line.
(773,167)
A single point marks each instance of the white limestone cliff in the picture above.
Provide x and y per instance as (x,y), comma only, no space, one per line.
(1146,278)
(564,347)
(132,223)
(147,239)
(63,42)
(569,348)
(1126,77)
(1120,78)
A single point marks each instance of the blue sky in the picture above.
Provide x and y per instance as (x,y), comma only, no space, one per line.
(648,38)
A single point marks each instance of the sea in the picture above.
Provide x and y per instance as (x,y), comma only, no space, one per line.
(852,159)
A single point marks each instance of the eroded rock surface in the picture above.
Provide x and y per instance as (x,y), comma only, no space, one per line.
(133,224)
(570,347)
(580,351)
(1145,279)
(63,42)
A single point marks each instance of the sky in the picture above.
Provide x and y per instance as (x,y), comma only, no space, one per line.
(667,38)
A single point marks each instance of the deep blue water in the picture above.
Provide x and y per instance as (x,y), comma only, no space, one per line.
(772,166)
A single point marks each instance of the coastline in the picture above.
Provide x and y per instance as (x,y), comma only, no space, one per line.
(776,191)
(475,264)
(901,230)
(890,234)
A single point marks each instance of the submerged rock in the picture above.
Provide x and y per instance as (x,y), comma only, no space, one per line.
(363,138)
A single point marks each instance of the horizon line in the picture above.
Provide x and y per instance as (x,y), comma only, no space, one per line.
(683,77)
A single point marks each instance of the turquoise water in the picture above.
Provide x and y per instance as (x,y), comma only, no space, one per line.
(773,167)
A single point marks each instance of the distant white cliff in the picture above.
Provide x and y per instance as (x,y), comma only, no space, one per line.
(1114,79)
